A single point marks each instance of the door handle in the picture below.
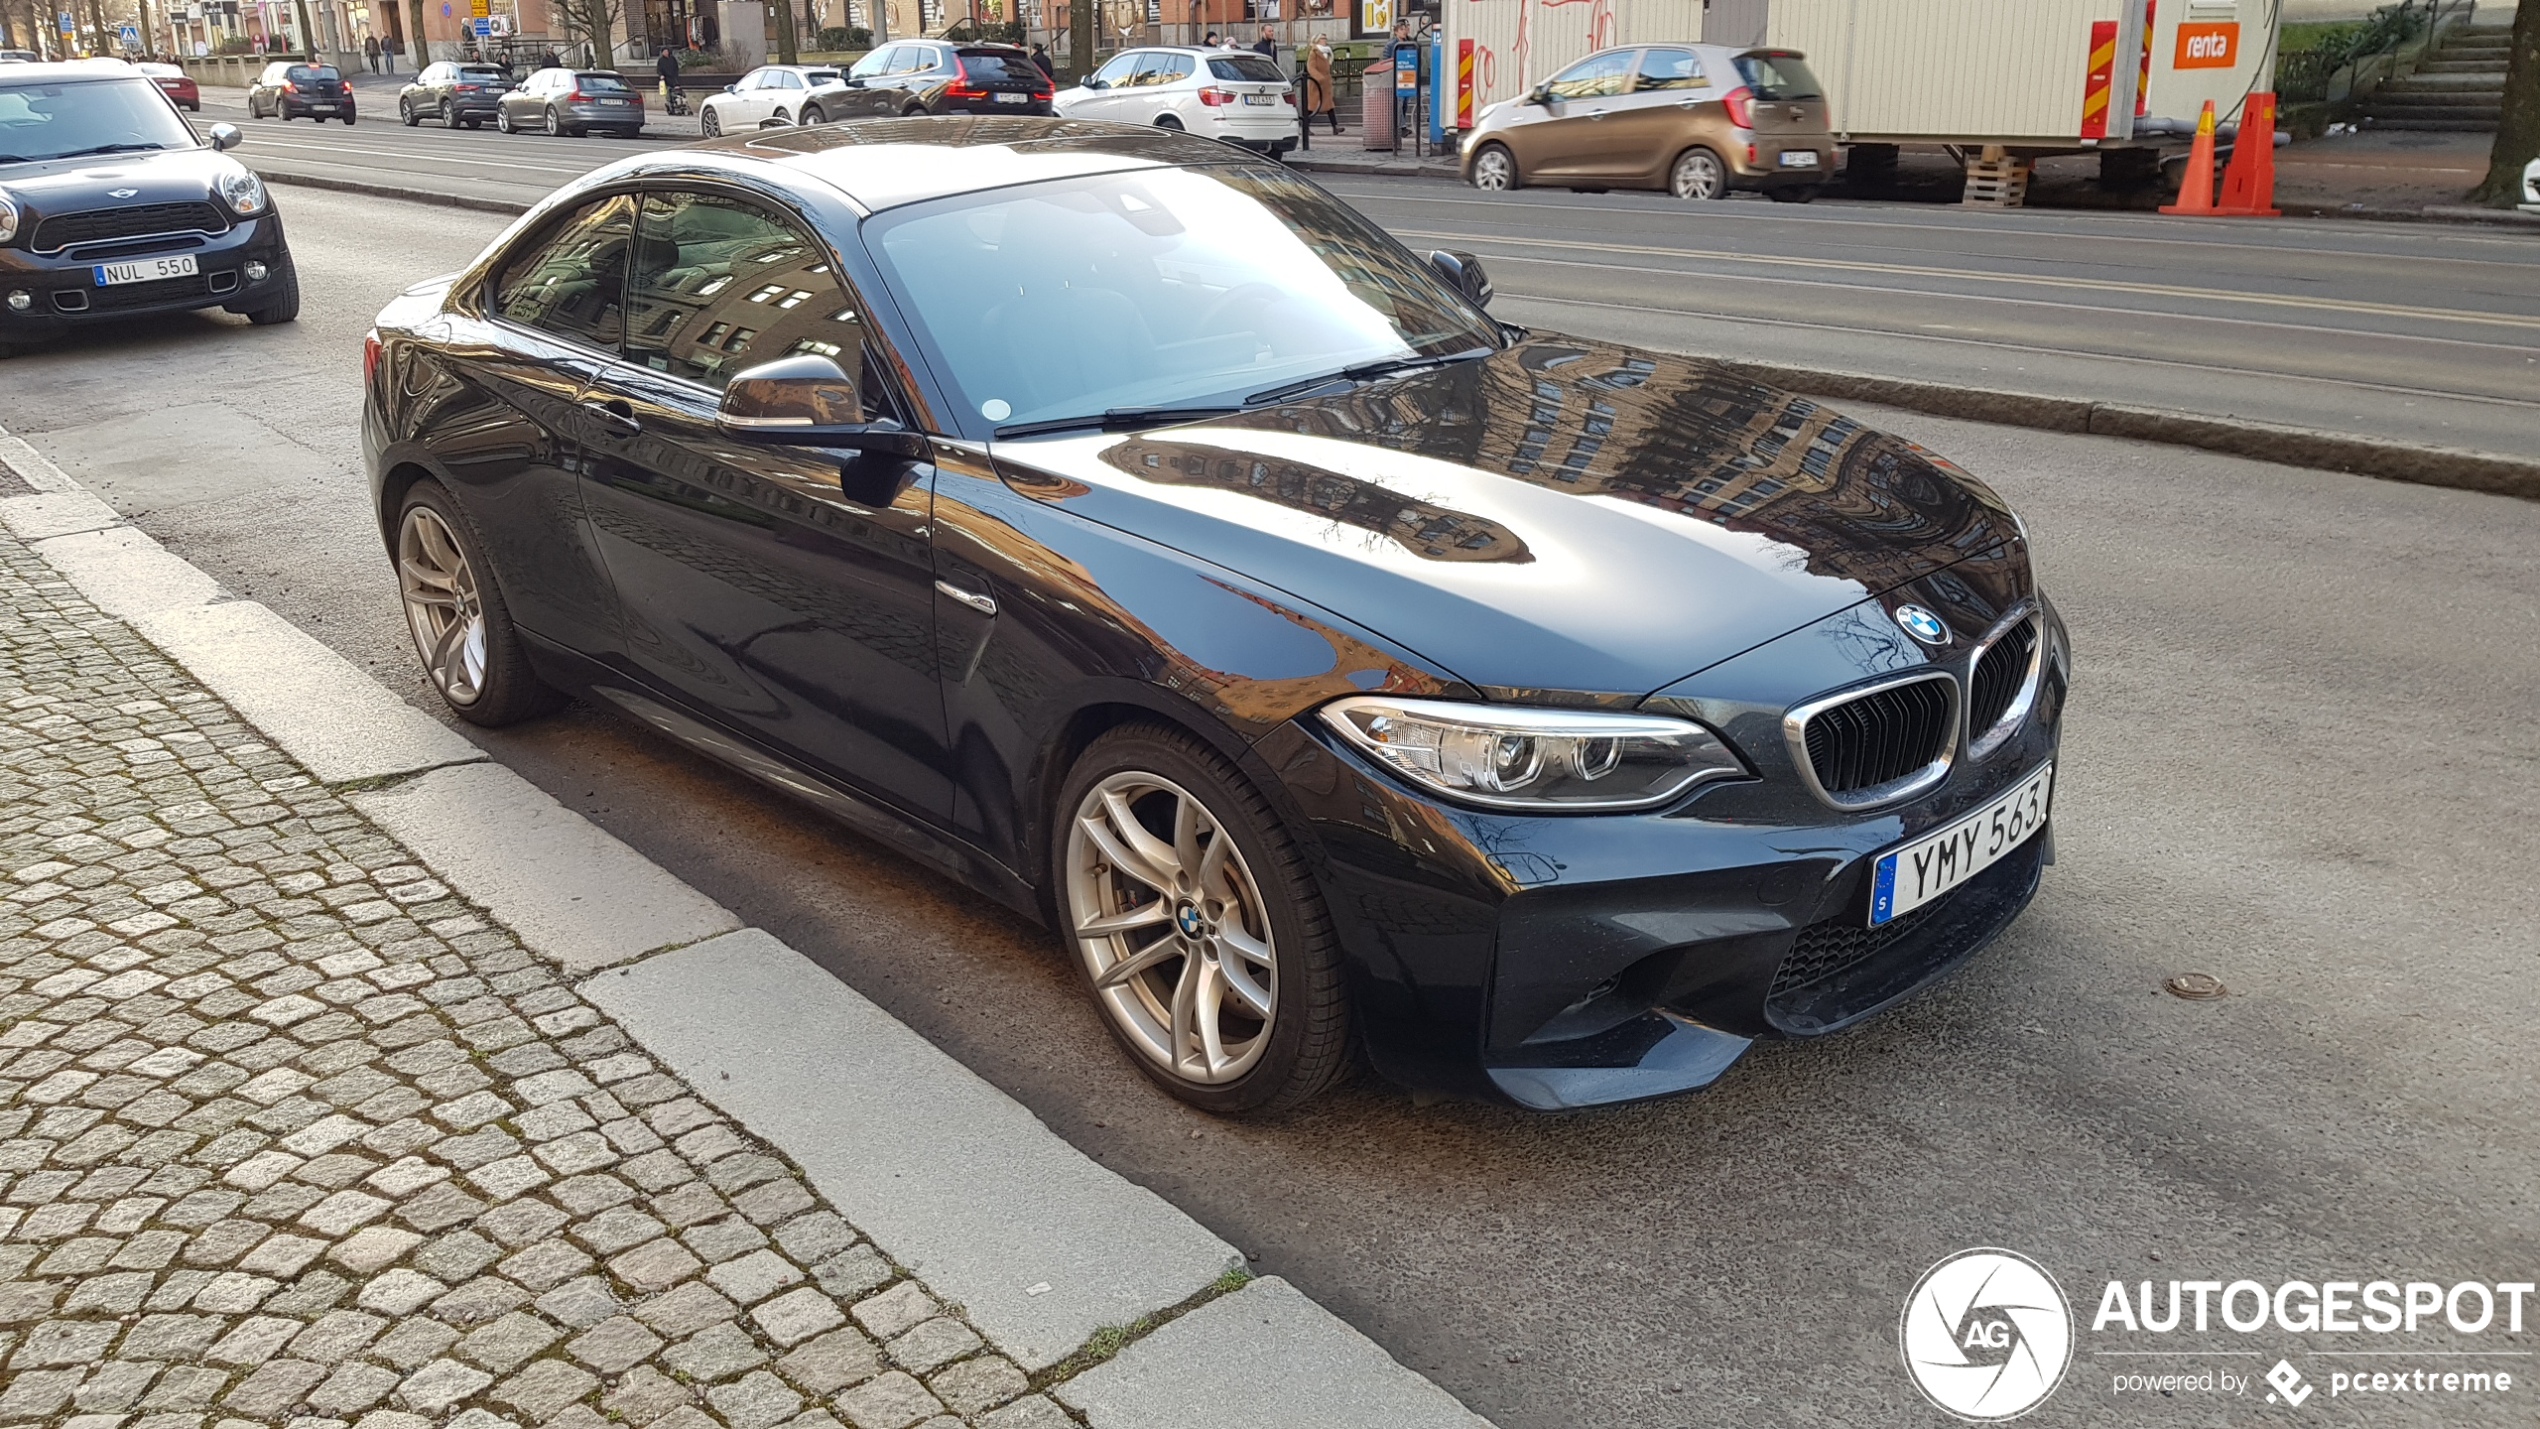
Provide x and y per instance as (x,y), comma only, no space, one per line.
(616,415)
(985,605)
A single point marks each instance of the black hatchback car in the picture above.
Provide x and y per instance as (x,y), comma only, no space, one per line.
(110,207)
(941,77)
(1329,665)
(294,89)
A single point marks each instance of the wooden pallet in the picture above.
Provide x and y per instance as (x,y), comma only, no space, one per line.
(1996,183)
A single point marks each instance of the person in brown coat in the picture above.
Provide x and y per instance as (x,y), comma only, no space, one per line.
(1318,85)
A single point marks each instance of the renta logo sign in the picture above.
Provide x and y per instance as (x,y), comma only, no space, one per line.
(2207,46)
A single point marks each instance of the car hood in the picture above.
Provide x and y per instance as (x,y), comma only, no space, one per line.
(74,185)
(1562,516)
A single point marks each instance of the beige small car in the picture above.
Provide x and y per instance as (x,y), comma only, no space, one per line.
(1696,120)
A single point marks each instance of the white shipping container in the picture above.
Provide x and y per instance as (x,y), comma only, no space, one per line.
(1973,72)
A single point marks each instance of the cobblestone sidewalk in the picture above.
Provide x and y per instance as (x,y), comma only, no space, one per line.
(289,1134)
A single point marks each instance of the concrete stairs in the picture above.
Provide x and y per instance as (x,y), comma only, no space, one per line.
(2459,87)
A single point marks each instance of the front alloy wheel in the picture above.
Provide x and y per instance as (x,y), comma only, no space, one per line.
(710,123)
(461,627)
(1205,943)
(1494,169)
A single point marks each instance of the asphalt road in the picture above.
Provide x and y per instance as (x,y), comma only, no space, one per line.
(2422,333)
(2299,757)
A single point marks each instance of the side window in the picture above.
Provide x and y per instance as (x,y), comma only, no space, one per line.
(1176,69)
(1152,68)
(1671,69)
(1595,77)
(787,79)
(721,286)
(1118,71)
(572,282)
(876,63)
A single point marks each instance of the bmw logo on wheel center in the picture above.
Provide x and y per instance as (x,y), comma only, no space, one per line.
(1922,625)
(1986,1334)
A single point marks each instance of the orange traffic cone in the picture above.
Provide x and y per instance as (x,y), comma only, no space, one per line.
(2248,188)
(2196,196)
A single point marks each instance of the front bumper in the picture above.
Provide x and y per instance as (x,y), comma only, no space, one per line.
(1558,962)
(63,292)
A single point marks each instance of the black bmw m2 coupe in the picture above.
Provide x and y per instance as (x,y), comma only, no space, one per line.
(1125,526)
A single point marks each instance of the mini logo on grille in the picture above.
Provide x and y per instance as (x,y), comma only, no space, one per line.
(121,193)
(1922,625)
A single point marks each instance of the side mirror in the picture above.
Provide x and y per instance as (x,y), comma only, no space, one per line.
(226,137)
(732,88)
(808,401)
(1540,94)
(1097,84)
(1463,272)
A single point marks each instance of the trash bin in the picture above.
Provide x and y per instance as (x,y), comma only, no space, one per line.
(1375,104)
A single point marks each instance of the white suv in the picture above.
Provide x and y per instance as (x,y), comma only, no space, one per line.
(1235,95)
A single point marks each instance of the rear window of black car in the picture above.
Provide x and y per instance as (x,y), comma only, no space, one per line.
(999,67)
(600,83)
(311,74)
(1778,76)
(1257,67)
(483,74)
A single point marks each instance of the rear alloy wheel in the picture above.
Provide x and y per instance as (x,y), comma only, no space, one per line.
(461,627)
(709,124)
(1167,121)
(1206,944)
(1698,174)
(449,115)
(554,123)
(1495,169)
(406,114)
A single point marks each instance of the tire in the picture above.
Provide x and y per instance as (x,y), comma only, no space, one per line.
(1495,169)
(710,124)
(1793,193)
(406,114)
(1240,1062)
(812,115)
(778,118)
(914,111)
(449,115)
(503,121)
(348,120)
(461,626)
(1698,174)
(283,308)
(1167,121)
(551,123)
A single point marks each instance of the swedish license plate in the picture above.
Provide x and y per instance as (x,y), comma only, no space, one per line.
(1801,159)
(1907,878)
(1011,98)
(618,102)
(1261,99)
(321,109)
(146,270)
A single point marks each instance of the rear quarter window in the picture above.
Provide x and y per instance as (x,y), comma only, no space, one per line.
(1778,76)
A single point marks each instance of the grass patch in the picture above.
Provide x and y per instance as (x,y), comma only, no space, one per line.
(1110,1340)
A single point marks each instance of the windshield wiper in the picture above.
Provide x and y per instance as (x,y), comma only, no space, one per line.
(1117,419)
(110,149)
(1362,372)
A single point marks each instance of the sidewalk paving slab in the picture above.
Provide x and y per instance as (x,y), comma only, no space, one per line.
(569,888)
(1265,1357)
(1039,1243)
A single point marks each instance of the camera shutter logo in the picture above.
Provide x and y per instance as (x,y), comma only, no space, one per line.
(1986,1335)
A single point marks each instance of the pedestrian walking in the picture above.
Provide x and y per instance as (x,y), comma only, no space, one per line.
(667,67)
(1319,97)
(388,55)
(1041,57)
(370,52)
(1268,45)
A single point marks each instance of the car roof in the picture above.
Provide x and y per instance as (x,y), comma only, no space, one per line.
(62,71)
(886,163)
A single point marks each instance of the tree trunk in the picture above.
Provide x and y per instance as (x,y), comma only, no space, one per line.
(786,33)
(1080,37)
(97,23)
(2518,128)
(418,52)
(308,32)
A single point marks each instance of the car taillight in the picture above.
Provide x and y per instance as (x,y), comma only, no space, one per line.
(289,88)
(1288,98)
(1740,103)
(573,96)
(1216,97)
(465,88)
(964,89)
(370,356)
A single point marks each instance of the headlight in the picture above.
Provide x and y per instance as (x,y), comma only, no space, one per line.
(1517,758)
(8,218)
(242,191)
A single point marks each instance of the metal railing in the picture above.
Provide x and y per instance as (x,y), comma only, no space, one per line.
(2337,72)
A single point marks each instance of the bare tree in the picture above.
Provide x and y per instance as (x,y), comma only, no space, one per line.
(2518,127)
(594,22)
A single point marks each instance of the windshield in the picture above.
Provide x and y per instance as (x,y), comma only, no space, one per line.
(1244,67)
(1163,287)
(1779,75)
(56,121)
